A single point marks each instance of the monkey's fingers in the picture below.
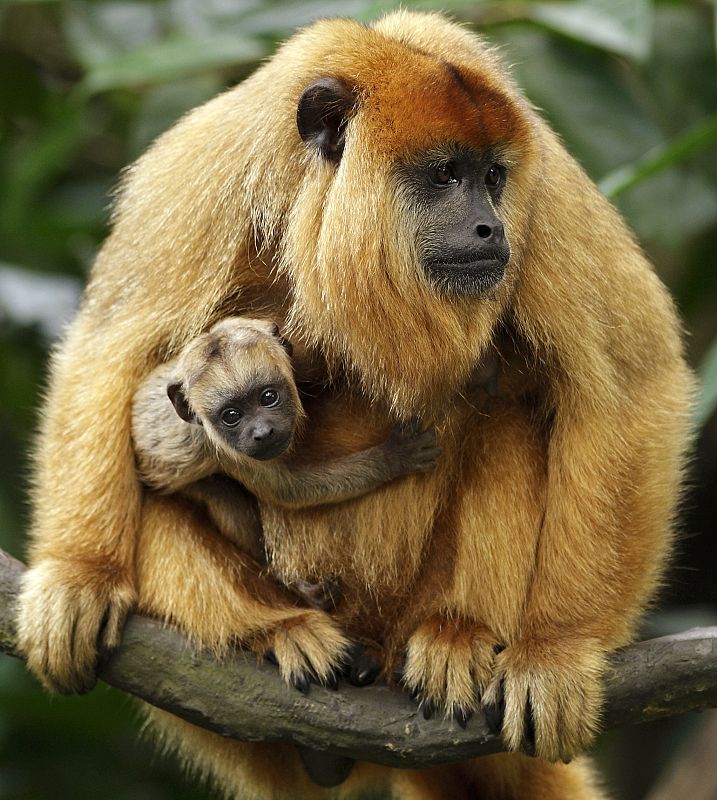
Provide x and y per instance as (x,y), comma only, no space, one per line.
(309,647)
(552,693)
(60,622)
(409,432)
(418,439)
(448,664)
(427,458)
(303,679)
(427,438)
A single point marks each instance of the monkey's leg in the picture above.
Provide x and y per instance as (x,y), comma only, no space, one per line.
(452,654)
(480,560)
(192,576)
(233,511)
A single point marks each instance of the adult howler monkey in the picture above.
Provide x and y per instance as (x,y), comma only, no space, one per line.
(387,195)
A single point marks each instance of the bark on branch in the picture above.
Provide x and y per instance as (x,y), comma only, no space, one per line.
(241,699)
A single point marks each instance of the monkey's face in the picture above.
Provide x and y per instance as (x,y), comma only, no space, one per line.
(455,196)
(236,381)
(258,422)
(409,233)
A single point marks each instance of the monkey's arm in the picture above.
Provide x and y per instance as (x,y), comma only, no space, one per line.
(406,450)
(621,396)
(154,286)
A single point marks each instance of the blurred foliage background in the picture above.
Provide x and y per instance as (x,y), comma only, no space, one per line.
(85,86)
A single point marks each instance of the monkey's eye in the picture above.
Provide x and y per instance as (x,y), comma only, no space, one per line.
(443,175)
(269,398)
(494,177)
(230,417)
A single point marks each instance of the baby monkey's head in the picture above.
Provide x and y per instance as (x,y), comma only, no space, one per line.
(236,381)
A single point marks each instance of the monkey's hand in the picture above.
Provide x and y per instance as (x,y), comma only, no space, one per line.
(308,647)
(409,449)
(449,663)
(545,696)
(69,612)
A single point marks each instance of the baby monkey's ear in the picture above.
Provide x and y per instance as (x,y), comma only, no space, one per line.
(285,343)
(175,392)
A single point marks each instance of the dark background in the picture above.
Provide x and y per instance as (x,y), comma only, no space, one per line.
(85,86)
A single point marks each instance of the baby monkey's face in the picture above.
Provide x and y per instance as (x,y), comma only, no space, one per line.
(258,422)
(236,381)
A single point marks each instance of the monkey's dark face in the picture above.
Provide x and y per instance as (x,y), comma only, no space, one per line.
(456,198)
(259,423)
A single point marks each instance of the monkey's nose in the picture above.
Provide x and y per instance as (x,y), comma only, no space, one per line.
(262,432)
(491,231)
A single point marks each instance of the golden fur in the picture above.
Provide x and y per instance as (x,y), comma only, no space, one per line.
(546,524)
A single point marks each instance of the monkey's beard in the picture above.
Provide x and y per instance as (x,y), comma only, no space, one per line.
(411,344)
(464,282)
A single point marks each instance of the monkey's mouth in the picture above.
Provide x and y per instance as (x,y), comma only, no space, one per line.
(472,277)
(272,448)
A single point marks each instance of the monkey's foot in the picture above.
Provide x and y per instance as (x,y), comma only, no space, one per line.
(449,663)
(545,696)
(309,647)
(68,612)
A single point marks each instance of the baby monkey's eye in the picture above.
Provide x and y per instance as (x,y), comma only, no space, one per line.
(269,398)
(230,417)
(443,175)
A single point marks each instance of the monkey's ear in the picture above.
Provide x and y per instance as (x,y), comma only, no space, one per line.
(322,114)
(175,392)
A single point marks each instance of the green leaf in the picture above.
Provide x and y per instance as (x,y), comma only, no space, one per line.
(587,94)
(170,59)
(707,399)
(34,164)
(98,32)
(620,26)
(660,158)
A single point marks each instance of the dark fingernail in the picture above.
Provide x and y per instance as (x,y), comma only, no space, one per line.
(363,676)
(429,709)
(332,680)
(301,682)
(398,670)
(494,712)
(462,715)
(529,728)
(270,656)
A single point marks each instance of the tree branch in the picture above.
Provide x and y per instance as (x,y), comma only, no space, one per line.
(241,699)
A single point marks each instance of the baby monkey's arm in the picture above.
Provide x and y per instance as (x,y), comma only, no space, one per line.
(407,449)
